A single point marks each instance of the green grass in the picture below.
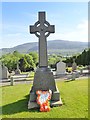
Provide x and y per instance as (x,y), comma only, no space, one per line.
(30,75)
(74,95)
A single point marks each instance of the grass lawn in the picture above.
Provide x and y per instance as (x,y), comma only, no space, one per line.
(74,95)
(30,75)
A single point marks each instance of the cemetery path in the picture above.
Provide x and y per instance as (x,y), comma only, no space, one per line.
(65,78)
(7,83)
(17,82)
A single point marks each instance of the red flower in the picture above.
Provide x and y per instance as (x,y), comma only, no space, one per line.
(43,98)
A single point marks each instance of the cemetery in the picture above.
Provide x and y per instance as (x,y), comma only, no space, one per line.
(61,93)
(74,105)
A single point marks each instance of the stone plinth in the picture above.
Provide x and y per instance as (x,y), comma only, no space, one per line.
(44,80)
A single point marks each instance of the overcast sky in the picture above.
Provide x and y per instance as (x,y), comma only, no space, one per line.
(70,20)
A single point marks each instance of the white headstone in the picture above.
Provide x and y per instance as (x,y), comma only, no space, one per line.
(4,70)
(61,68)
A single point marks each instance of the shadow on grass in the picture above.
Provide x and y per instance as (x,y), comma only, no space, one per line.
(69,80)
(17,107)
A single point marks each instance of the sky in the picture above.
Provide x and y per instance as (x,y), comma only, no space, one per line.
(70,20)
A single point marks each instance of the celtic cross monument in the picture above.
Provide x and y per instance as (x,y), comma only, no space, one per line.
(43,79)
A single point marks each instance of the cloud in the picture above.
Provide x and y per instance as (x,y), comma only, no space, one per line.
(83,25)
(80,33)
(13,28)
(21,35)
(15,34)
(14,39)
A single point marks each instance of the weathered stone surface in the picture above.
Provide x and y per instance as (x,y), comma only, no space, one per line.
(56,103)
(44,80)
(33,96)
(32,105)
(55,96)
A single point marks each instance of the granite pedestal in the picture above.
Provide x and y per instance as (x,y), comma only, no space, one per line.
(44,80)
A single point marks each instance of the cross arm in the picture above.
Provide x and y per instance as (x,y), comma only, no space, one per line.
(33,29)
(51,29)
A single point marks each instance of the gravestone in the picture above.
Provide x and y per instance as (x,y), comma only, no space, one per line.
(61,68)
(75,73)
(43,79)
(17,71)
(4,72)
(74,65)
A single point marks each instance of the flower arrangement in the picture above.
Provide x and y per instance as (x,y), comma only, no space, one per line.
(43,98)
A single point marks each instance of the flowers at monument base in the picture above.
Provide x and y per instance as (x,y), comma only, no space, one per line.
(43,99)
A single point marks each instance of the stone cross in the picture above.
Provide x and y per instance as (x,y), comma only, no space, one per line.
(42,30)
(43,78)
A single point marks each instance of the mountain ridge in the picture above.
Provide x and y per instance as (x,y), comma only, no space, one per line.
(53,46)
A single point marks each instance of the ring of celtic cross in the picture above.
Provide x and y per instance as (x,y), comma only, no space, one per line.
(41,29)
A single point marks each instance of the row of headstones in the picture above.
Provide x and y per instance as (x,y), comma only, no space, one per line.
(61,69)
(4,73)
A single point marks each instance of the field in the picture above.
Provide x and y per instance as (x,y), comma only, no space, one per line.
(74,95)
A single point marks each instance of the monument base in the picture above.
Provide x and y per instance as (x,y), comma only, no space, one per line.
(44,80)
(33,105)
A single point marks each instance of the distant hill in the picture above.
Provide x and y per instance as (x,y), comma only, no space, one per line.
(54,47)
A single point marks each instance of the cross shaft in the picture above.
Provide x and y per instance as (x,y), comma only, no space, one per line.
(42,29)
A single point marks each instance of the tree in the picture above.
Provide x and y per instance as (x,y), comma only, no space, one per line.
(83,56)
(78,60)
(23,64)
(10,60)
(89,56)
(34,56)
(52,60)
(26,63)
